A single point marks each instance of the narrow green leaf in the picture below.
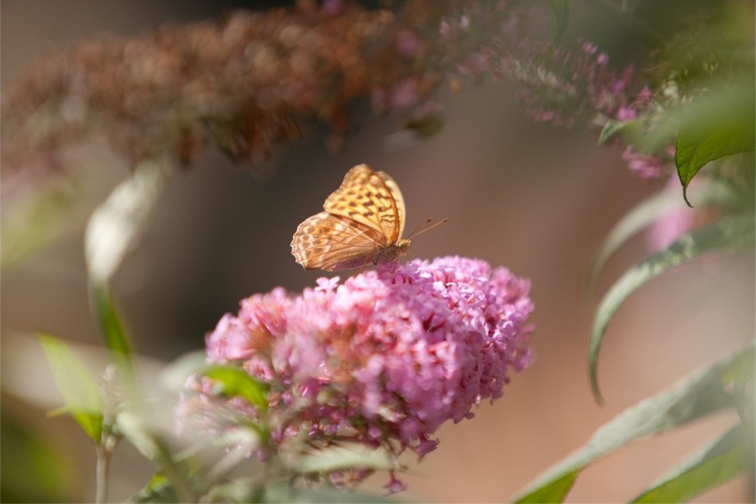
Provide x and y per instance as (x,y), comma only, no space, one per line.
(698,396)
(341,457)
(645,214)
(112,231)
(234,382)
(561,11)
(729,233)
(77,386)
(555,491)
(719,462)
(159,489)
(611,128)
(640,217)
(116,339)
(288,494)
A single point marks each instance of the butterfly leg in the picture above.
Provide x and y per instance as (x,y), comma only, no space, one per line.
(362,268)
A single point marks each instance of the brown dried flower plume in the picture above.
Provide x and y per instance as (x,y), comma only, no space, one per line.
(245,83)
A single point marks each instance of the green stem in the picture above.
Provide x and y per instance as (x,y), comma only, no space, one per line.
(103,459)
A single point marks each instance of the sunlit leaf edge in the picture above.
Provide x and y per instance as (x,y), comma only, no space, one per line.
(646,213)
(729,233)
(694,398)
(78,387)
(561,12)
(716,464)
(235,382)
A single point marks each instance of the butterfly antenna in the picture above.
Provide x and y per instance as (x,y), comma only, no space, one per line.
(422,229)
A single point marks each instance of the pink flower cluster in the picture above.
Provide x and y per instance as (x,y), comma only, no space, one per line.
(384,358)
(562,86)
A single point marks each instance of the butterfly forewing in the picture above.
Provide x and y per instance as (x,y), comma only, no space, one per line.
(368,198)
(398,200)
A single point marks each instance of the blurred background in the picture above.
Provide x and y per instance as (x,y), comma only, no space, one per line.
(528,196)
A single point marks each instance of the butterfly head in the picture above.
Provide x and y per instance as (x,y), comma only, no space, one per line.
(403,245)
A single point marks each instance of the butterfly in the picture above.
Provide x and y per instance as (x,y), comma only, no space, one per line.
(362,225)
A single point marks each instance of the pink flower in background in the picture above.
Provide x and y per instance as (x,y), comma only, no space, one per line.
(645,166)
(671,225)
(382,359)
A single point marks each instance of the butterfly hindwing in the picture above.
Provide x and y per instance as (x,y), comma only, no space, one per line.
(330,242)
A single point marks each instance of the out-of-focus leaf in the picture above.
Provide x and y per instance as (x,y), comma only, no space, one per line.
(729,233)
(234,382)
(33,468)
(645,214)
(152,446)
(116,339)
(716,126)
(173,376)
(555,491)
(159,489)
(79,388)
(716,464)
(284,493)
(611,128)
(113,230)
(116,225)
(695,398)
(340,457)
(34,222)
(634,221)
(561,11)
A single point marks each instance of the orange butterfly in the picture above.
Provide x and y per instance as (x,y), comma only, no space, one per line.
(362,224)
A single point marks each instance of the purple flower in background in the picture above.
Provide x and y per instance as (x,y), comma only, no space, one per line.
(647,166)
(382,359)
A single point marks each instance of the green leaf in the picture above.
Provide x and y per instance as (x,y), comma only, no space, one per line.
(729,233)
(31,223)
(286,494)
(718,124)
(716,464)
(116,225)
(154,447)
(555,491)
(560,10)
(698,396)
(158,491)
(113,230)
(234,382)
(33,467)
(611,128)
(77,386)
(645,214)
(116,339)
(173,376)
(639,218)
(341,457)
